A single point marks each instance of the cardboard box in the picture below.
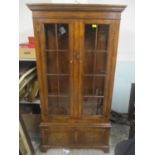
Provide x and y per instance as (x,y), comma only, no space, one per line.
(27,51)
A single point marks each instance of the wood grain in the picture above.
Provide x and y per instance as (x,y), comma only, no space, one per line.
(65,67)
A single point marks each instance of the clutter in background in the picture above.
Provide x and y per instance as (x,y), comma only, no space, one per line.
(28,85)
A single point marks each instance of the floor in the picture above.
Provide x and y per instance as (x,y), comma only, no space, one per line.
(118,133)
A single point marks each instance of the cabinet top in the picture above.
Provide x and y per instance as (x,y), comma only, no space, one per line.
(76,7)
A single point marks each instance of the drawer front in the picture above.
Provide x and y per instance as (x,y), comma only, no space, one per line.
(75,136)
(59,137)
(93,136)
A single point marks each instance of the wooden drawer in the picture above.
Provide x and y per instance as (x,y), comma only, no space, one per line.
(74,136)
(57,137)
(92,136)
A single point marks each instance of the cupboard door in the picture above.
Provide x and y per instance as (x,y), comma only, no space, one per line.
(92,136)
(57,67)
(95,57)
(58,137)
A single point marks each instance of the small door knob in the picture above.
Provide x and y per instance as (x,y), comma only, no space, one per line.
(71,61)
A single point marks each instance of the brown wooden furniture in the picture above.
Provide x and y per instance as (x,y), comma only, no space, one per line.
(76,47)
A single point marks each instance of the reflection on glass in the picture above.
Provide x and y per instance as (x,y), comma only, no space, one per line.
(57,36)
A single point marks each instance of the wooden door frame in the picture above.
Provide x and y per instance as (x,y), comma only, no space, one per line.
(42,68)
(110,68)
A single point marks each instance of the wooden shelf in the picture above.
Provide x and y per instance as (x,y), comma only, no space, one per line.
(95,50)
(59,96)
(36,101)
(95,75)
(92,96)
(56,50)
(27,59)
(49,74)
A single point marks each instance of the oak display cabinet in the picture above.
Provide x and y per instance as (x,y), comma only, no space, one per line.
(76,47)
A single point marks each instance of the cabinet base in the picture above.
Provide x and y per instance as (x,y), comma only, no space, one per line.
(44,148)
(75,136)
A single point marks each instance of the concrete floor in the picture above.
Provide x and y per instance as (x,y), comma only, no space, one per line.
(118,133)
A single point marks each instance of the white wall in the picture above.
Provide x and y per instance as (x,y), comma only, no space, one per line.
(25,19)
(125,73)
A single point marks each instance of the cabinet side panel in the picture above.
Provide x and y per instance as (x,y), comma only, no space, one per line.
(38,62)
(113,57)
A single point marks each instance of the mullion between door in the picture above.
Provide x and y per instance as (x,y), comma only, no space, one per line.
(57,61)
(71,67)
(76,70)
(81,51)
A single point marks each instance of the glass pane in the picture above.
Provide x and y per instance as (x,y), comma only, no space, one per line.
(57,68)
(90,34)
(102,37)
(95,60)
(51,62)
(57,62)
(58,105)
(63,36)
(63,62)
(50,36)
(64,85)
(52,85)
(101,61)
(93,86)
(57,36)
(88,62)
(92,105)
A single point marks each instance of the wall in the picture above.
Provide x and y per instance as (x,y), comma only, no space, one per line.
(25,19)
(125,73)
(124,76)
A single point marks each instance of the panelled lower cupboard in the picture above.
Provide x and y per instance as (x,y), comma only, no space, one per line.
(76,48)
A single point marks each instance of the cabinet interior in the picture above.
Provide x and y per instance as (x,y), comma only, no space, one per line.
(57,57)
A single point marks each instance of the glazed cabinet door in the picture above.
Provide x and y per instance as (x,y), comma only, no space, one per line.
(57,69)
(95,55)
